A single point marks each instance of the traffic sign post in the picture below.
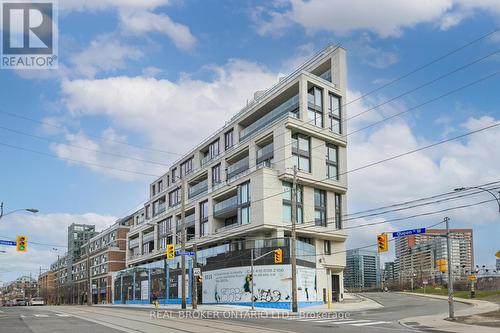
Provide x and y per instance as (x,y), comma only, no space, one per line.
(197,271)
(408,232)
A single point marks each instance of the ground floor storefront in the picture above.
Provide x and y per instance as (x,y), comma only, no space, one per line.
(227,279)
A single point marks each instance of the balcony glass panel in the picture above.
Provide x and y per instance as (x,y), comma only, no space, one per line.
(237,167)
(226,205)
(265,151)
(199,188)
(286,107)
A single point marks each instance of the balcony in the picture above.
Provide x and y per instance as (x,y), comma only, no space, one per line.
(133,243)
(238,167)
(198,188)
(265,152)
(148,237)
(288,106)
(226,208)
(160,209)
(189,220)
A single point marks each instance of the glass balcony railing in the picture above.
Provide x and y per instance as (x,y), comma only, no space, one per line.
(238,167)
(226,205)
(148,237)
(287,106)
(198,188)
(160,209)
(190,220)
(265,151)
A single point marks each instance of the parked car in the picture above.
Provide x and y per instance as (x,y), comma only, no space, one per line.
(37,301)
(21,302)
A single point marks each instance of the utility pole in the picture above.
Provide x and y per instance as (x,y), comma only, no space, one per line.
(89,281)
(450,273)
(294,246)
(183,244)
(194,296)
(411,268)
(251,282)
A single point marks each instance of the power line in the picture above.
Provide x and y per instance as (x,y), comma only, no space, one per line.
(81,147)
(45,123)
(77,161)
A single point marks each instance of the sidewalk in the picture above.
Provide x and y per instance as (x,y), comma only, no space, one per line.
(438,321)
(350,306)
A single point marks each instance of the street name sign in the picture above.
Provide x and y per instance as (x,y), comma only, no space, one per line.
(408,232)
(185,253)
(6,242)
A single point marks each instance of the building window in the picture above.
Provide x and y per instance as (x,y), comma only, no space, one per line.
(213,149)
(187,167)
(301,151)
(338,211)
(228,139)
(327,247)
(204,218)
(320,208)
(216,174)
(315,106)
(153,190)
(174,174)
(332,153)
(244,203)
(287,203)
(174,197)
(160,186)
(334,114)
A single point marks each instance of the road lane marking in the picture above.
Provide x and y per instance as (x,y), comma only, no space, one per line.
(1,311)
(372,323)
(62,315)
(23,316)
(41,315)
(348,322)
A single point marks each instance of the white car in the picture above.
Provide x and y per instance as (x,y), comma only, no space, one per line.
(37,301)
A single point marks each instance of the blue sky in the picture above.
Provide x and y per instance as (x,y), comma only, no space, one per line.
(128,70)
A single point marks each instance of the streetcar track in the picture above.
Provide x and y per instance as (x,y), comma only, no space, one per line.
(176,320)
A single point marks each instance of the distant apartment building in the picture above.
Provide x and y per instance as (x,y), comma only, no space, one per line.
(498,265)
(24,287)
(95,256)
(389,273)
(46,287)
(416,255)
(362,270)
(235,187)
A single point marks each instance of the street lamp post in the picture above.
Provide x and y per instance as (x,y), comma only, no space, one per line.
(481,189)
(31,210)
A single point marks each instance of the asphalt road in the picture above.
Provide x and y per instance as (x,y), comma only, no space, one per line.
(133,320)
(29,319)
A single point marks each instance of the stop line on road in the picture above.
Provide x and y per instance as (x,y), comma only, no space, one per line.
(353,322)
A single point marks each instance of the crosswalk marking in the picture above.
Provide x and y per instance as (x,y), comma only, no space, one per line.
(41,315)
(1,311)
(372,323)
(62,315)
(23,316)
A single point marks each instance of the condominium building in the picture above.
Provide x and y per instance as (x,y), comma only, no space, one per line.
(234,189)
(498,265)
(389,273)
(362,270)
(416,255)
(46,287)
(102,254)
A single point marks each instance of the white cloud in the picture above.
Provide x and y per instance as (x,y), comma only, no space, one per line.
(71,5)
(50,229)
(142,22)
(106,53)
(171,115)
(373,56)
(387,18)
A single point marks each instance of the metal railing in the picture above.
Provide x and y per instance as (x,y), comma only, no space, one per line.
(238,167)
(198,188)
(285,107)
(226,205)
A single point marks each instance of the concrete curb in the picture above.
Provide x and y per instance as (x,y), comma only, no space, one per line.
(455,299)
(371,299)
(437,322)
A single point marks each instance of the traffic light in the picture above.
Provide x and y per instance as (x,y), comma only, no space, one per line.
(383,243)
(22,243)
(170,251)
(442,265)
(199,279)
(278,256)
(249,277)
